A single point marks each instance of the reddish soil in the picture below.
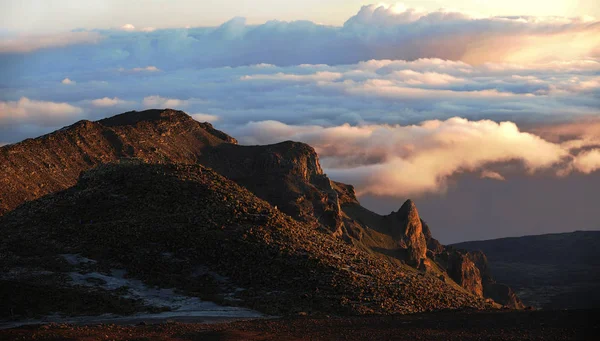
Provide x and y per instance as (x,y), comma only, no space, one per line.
(466,325)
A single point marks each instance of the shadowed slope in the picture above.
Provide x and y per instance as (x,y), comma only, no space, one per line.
(163,222)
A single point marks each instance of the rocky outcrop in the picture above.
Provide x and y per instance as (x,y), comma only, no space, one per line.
(406,227)
(346,193)
(470,269)
(287,174)
(465,273)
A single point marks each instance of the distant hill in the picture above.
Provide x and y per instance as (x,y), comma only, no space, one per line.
(552,271)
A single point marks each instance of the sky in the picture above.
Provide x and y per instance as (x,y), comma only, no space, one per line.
(43,16)
(486,113)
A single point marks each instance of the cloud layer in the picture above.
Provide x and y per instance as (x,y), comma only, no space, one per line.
(371,92)
(375,32)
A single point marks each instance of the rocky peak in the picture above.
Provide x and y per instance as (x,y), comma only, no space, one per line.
(152,115)
(409,230)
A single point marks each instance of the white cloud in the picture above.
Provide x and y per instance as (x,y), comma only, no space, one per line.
(150,68)
(205,117)
(316,77)
(108,102)
(159,102)
(27,111)
(67,81)
(587,162)
(128,27)
(30,43)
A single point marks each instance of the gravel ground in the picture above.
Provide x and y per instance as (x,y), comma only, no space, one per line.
(465,325)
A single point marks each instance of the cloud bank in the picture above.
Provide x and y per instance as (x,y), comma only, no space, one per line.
(375,32)
(401,161)
(26,111)
(29,43)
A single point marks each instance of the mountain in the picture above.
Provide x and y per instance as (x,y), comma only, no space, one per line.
(552,271)
(161,199)
(36,167)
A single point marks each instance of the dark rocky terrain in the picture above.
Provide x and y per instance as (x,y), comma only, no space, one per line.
(158,197)
(553,271)
(456,325)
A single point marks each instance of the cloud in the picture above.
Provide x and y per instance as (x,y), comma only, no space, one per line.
(161,102)
(586,162)
(67,81)
(205,117)
(316,77)
(128,27)
(401,161)
(149,68)
(108,102)
(27,111)
(488,174)
(31,43)
(375,32)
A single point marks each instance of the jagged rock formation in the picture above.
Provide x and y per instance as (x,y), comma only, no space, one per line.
(464,272)
(409,232)
(162,223)
(287,176)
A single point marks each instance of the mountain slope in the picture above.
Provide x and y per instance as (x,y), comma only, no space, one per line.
(185,226)
(553,271)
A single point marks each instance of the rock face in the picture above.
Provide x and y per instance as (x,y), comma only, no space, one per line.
(500,293)
(465,273)
(407,228)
